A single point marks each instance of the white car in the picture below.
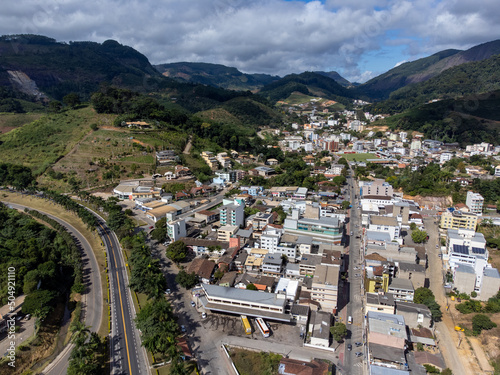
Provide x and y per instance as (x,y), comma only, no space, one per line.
(193,304)
(203,315)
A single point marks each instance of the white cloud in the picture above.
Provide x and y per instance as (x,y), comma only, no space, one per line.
(270,36)
(399,63)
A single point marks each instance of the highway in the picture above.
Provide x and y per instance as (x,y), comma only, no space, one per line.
(127,354)
(91,301)
(355,365)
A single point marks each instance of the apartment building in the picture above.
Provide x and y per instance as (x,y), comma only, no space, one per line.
(232,214)
(475,203)
(458,220)
(324,287)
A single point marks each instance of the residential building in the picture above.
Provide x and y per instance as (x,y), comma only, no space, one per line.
(324,288)
(319,328)
(288,366)
(414,314)
(490,284)
(384,224)
(381,302)
(202,246)
(402,290)
(226,232)
(232,214)
(176,229)
(412,271)
(203,268)
(475,202)
(166,157)
(208,216)
(458,220)
(272,265)
(377,187)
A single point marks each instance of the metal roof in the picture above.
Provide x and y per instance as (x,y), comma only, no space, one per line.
(243,295)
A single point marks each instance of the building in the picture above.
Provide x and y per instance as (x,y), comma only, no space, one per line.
(475,202)
(203,268)
(385,224)
(232,214)
(413,272)
(208,216)
(377,187)
(272,265)
(325,285)
(414,314)
(325,228)
(402,290)
(288,366)
(319,328)
(244,302)
(226,232)
(458,220)
(176,229)
(490,284)
(381,302)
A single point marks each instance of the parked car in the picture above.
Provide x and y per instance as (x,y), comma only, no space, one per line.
(168,291)
(349,320)
(349,347)
(358,354)
(203,315)
(183,329)
(193,304)
(358,344)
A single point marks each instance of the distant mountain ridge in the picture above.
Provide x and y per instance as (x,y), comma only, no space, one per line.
(424,69)
(56,68)
(215,75)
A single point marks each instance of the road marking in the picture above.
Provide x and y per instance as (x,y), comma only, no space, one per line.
(121,302)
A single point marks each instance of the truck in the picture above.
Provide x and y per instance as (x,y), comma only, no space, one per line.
(246,325)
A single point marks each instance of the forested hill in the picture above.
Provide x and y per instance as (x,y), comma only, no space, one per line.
(31,62)
(308,83)
(424,69)
(466,79)
(216,75)
(468,120)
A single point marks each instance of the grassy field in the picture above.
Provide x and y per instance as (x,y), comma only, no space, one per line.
(9,121)
(249,362)
(41,143)
(358,157)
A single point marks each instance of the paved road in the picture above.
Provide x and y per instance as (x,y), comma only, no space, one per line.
(91,301)
(447,337)
(127,354)
(352,364)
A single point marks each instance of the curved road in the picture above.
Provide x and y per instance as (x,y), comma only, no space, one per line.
(91,301)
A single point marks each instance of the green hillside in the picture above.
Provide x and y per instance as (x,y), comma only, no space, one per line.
(466,79)
(216,75)
(307,83)
(472,119)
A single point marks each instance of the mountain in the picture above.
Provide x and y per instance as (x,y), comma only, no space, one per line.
(424,69)
(466,79)
(41,66)
(307,83)
(336,77)
(215,75)
(467,120)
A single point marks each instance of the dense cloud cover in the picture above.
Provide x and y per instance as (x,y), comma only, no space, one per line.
(358,38)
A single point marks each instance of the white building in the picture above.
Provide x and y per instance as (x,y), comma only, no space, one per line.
(176,229)
(475,203)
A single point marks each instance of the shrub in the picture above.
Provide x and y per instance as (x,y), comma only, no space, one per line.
(481,322)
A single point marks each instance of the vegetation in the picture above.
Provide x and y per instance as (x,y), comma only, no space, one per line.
(481,322)
(419,236)
(177,251)
(186,280)
(426,297)
(468,307)
(89,353)
(339,331)
(250,363)
(47,262)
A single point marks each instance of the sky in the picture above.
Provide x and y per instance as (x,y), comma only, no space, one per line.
(360,39)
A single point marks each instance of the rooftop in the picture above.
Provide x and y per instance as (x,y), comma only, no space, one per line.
(397,283)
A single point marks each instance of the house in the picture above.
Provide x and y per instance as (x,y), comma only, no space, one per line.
(319,328)
(228,279)
(381,302)
(272,265)
(413,272)
(203,268)
(422,335)
(208,216)
(300,313)
(402,290)
(414,314)
(288,366)
(203,246)
(262,171)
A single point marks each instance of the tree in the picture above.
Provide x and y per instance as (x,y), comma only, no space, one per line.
(251,287)
(177,251)
(413,226)
(422,294)
(339,331)
(39,303)
(186,280)
(481,322)
(446,371)
(345,205)
(72,100)
(418,236)
(55,106)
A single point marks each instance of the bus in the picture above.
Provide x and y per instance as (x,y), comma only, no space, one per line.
(262,327)
(246,325)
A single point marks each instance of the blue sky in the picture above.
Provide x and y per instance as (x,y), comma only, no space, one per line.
(357,38)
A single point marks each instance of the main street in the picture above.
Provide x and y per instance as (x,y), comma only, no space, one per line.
(92,299)
(352,364)
(127,354)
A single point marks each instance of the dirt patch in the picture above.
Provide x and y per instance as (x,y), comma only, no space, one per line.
(6,129)
(431,202)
